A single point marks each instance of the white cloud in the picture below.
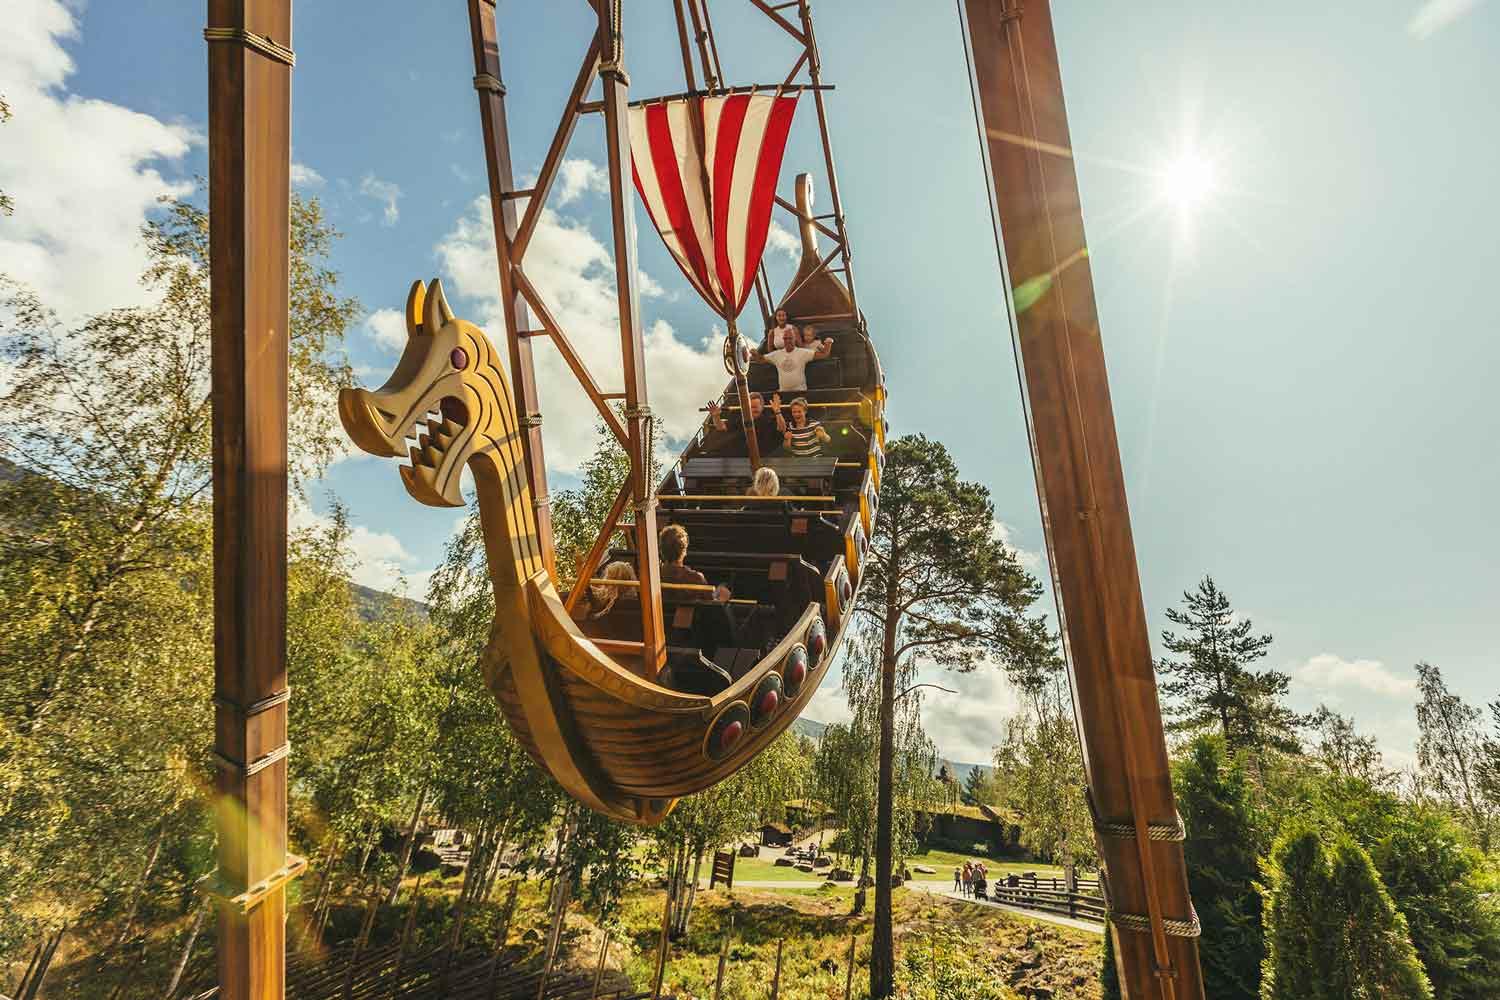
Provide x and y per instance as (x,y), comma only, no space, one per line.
(84,174)
(380,560)
(967,725)
(964,725)
(387,193)
(574,273)
(1328,674)
(781,240)
(578,177)
(387,327)
(1435,15)
(1030,561)
(305,176)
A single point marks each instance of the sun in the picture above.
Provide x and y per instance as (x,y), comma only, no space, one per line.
(1188,181)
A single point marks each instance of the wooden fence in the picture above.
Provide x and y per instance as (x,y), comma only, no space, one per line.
(1050,896)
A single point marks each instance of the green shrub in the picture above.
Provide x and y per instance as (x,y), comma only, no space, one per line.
(1332,932)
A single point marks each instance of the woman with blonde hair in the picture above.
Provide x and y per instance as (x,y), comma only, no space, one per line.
(765,484)
(601,597)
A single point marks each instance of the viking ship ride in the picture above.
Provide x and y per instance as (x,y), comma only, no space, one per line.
(631,691)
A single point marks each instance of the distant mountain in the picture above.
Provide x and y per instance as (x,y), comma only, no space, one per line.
(810,728)
(369,602)
(814,730)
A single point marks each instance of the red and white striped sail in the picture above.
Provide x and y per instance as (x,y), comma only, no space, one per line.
(712,205)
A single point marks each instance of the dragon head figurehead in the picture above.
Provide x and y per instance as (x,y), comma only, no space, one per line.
(447,393)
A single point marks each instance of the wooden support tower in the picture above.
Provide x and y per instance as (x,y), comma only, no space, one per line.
(1023,129)
(249,121)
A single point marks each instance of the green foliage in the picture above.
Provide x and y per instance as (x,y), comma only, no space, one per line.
(1451,756)
(981,787)
(1039,764)
(578,514)
(1332,931)
(106,579)
(1443,888)
(1223,843)
(941,587)
(845,774)
(1212,687)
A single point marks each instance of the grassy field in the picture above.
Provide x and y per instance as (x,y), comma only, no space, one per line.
(981,954)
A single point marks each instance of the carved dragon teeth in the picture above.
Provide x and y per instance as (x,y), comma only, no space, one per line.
(429,439)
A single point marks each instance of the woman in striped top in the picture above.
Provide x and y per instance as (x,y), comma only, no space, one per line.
(803,439)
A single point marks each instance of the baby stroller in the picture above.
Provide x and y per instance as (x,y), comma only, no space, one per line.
(979,887)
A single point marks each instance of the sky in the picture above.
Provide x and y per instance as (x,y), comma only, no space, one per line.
(1288,206)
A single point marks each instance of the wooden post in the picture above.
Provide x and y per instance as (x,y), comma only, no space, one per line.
(249,125)
(1024,137)
(776,976)
(849,977)
(638,420)
(742,387)
(599,967)
(663,942)
(723,958)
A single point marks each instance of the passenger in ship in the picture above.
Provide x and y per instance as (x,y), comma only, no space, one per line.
(600,598)
(674,548)
(808,336)
(791,360)
(777,333)
(765,484)
(802,437)
(729,436)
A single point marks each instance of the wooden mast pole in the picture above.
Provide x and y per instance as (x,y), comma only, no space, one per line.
(249,121)
(1081,487)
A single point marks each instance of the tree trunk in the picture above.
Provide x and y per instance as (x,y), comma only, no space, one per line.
(408,846)
(140,890)
(692,893)
(34,987)
(860,891)
(882,946)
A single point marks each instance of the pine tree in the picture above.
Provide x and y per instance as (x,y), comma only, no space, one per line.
(941,586)
(1332,932)
(1212,686)
(1213,795)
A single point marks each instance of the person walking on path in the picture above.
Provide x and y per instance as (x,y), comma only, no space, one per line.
(957,879)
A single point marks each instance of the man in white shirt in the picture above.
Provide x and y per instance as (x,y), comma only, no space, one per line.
(791,361)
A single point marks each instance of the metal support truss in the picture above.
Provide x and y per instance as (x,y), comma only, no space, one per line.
(604,60)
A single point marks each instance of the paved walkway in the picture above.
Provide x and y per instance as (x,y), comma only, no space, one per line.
(943,889)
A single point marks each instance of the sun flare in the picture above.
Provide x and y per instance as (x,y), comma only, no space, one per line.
(1188,181)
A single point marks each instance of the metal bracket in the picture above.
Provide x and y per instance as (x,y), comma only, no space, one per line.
(257,893)
(264,44)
